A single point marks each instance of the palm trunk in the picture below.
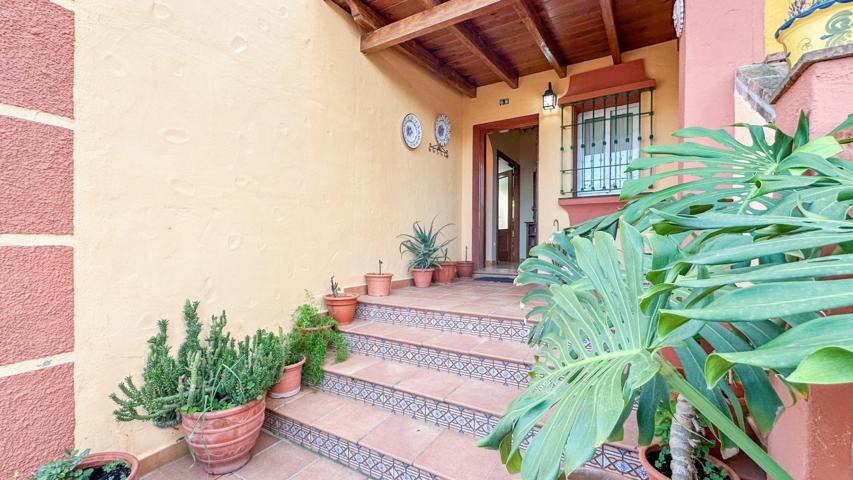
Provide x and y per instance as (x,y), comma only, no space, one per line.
(683,439)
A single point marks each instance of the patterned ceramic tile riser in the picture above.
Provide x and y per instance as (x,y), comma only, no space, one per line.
(355,456)
(461,419)
(467,365)
(481,326)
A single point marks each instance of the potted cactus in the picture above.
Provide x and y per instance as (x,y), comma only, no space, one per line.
(341,306)
(446,270)
(378,284)
(423,246)
(291,370)
(465,268)
(214,389)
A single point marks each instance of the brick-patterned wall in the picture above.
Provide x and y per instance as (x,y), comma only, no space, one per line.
(36,233)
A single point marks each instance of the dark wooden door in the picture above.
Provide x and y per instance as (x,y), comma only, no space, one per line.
(509,202)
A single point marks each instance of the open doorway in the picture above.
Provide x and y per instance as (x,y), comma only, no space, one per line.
(505,186)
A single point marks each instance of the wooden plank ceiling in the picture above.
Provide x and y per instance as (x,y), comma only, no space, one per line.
(470,43)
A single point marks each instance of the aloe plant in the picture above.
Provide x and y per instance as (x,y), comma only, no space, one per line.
(747,254)
(423,245)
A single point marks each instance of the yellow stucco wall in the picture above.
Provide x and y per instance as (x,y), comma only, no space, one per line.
(661,64)
(235,153)
(775,13)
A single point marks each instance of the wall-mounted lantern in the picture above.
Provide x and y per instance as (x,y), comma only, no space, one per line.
(549,98)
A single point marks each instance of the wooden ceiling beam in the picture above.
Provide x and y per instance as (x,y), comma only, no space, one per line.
(477,45)
(369,20)
(610,29)
(527,12)
(436,18)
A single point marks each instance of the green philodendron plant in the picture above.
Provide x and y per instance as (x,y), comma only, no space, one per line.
(423,245)
(750,268)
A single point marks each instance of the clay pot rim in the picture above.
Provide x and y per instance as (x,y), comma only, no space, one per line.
(465,262)
(342,298)
(224,413)
(295,365)
(100,459)
(379,275)
(430,269)
(654,447)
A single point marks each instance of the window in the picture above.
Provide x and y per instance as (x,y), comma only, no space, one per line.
(608,139)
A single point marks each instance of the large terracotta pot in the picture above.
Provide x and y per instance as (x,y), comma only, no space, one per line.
(290,383)
(654,474)
(465,269)
(445,272)
(341,307)
(222,441)
(378,284)
(100,459)
(422,277)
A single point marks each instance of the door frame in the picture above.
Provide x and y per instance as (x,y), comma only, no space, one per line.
(515,228)
(478,179)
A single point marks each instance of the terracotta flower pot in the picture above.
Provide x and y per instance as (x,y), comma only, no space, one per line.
(378,284)
(100,459)
(445,273)
(341,307)
(465,269)
(290,383)
(222,441)
(422,277)
(654,474)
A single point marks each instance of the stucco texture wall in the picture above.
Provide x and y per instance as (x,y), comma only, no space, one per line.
(661,64)
(235,153)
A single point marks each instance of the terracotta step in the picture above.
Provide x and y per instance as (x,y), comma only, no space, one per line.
(498,361)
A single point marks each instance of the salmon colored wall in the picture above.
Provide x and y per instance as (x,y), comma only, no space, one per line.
(236,153)
(661,64)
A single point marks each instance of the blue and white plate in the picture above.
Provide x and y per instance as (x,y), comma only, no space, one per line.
(442,130)
(412,132)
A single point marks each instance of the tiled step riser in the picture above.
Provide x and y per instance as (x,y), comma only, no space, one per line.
(355,456)
(460,419)
(477,325)
(466,365)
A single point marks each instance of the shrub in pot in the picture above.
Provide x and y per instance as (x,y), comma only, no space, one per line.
(341,306)
(214,388)
(446,270)
(75,465)
(465,268)
(378,284)
(423,246)
(291,370)
(314,333)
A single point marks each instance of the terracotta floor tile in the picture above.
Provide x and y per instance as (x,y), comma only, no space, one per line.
(325,469)
(353,364)
(431,383)
(455,342)
(182,469)
(396,332)
(504,349)
(484,396)
(279,461)
(453,455)
(265,440)
(500,473)
(352,421)
(401,437)
(311,405)
(355,325)
(387,373)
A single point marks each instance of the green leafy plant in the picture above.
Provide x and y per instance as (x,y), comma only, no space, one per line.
(423,245)
(65,468)
(219,374)
(747,258)
(314,333)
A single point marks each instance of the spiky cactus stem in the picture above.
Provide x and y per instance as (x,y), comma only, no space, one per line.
(684,437)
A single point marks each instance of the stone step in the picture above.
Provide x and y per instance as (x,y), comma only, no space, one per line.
(499,361)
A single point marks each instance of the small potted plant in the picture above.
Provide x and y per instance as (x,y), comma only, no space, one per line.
(341,306)
(291,370)
(76,465)
(446,270)
(657,459)
(465,268)
(214,389)
(423,246)
(315,332)
(379,284)
(814,25)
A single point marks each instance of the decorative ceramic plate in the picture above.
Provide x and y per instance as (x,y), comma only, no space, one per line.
(442,130)
(412,131)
